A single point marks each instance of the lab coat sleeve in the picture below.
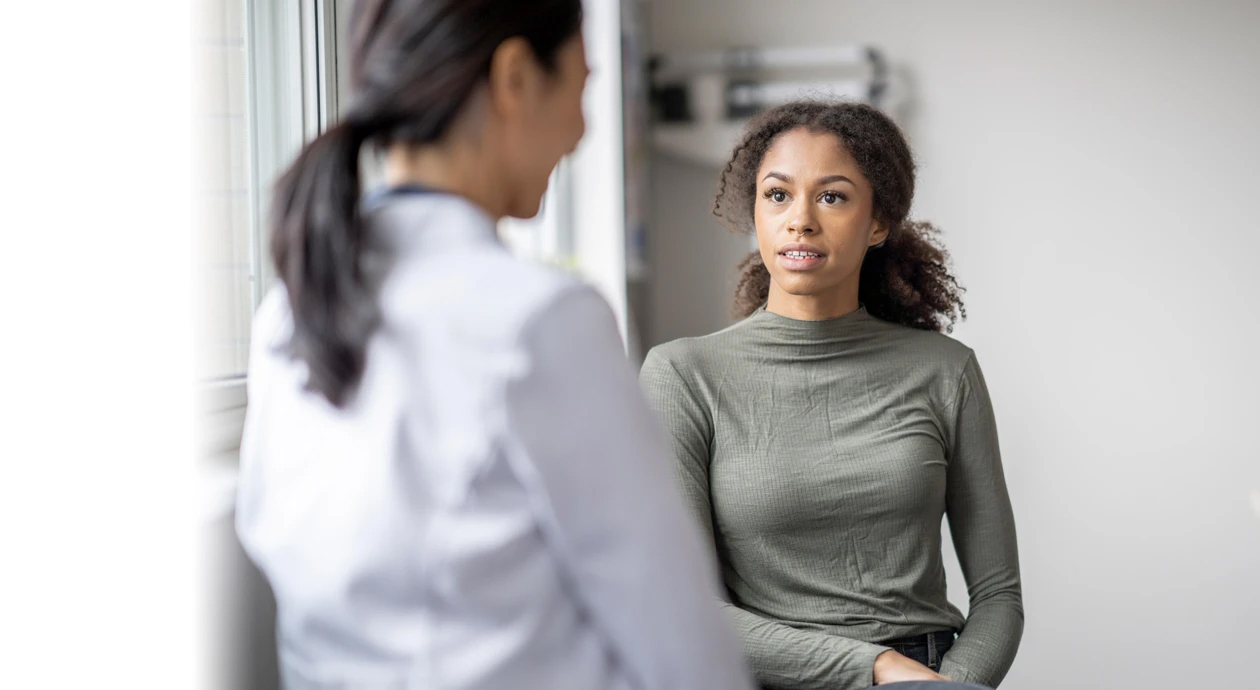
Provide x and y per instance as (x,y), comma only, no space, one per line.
(593,456)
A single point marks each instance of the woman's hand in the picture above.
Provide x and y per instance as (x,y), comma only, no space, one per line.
(891,667)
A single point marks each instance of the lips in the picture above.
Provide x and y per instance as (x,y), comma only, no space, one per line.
(800,257)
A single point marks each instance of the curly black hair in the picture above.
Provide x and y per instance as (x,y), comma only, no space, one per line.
(906,279)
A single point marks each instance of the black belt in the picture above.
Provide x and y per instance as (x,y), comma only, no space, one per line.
(942,638)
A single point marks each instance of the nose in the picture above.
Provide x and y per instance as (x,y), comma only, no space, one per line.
(801,221)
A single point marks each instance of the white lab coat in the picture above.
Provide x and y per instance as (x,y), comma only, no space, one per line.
(495,506)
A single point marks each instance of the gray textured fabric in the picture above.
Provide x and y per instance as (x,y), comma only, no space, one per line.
(820,457)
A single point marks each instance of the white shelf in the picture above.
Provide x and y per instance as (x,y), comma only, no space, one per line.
(708,144)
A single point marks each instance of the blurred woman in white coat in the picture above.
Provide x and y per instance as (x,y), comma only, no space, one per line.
(448,474)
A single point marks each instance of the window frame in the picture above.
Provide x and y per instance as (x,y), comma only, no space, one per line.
(292,97)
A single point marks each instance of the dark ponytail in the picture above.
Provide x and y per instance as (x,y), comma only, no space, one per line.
(414,65)
(316,242)
(906,280)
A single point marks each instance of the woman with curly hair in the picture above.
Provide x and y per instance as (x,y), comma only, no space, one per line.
(821,440)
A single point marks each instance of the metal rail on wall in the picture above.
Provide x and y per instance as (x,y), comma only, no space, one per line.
(701,100)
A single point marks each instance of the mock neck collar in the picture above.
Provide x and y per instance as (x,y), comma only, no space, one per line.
(806,327)
(798,337)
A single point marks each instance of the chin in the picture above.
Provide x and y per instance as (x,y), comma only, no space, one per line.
(800,288)
(526,210)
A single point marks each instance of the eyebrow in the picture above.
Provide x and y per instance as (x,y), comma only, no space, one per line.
(826,179)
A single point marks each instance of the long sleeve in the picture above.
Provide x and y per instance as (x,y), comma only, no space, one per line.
(983,527)
(610,505)
(781,656)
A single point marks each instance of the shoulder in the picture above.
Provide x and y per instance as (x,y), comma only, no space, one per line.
(929,360)
(545,312)
(689,371)
(559,323)
(939,351)
(484,296)
(443,265)
(270,333)
(696,355)
(563,307)
(273,320)
(674,362)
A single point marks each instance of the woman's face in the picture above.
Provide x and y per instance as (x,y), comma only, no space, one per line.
(545,123)
(814,219)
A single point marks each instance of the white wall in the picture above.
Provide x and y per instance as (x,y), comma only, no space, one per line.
(1095,167)
(598,211)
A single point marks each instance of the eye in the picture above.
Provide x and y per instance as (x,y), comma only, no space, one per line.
(778,196)
(832,198)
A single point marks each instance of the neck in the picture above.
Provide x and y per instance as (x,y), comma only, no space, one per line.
(831,305)
(455,165)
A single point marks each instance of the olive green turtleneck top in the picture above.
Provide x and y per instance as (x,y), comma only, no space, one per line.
(820,457)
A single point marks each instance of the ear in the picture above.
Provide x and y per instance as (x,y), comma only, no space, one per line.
(879,233)
(512,72)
